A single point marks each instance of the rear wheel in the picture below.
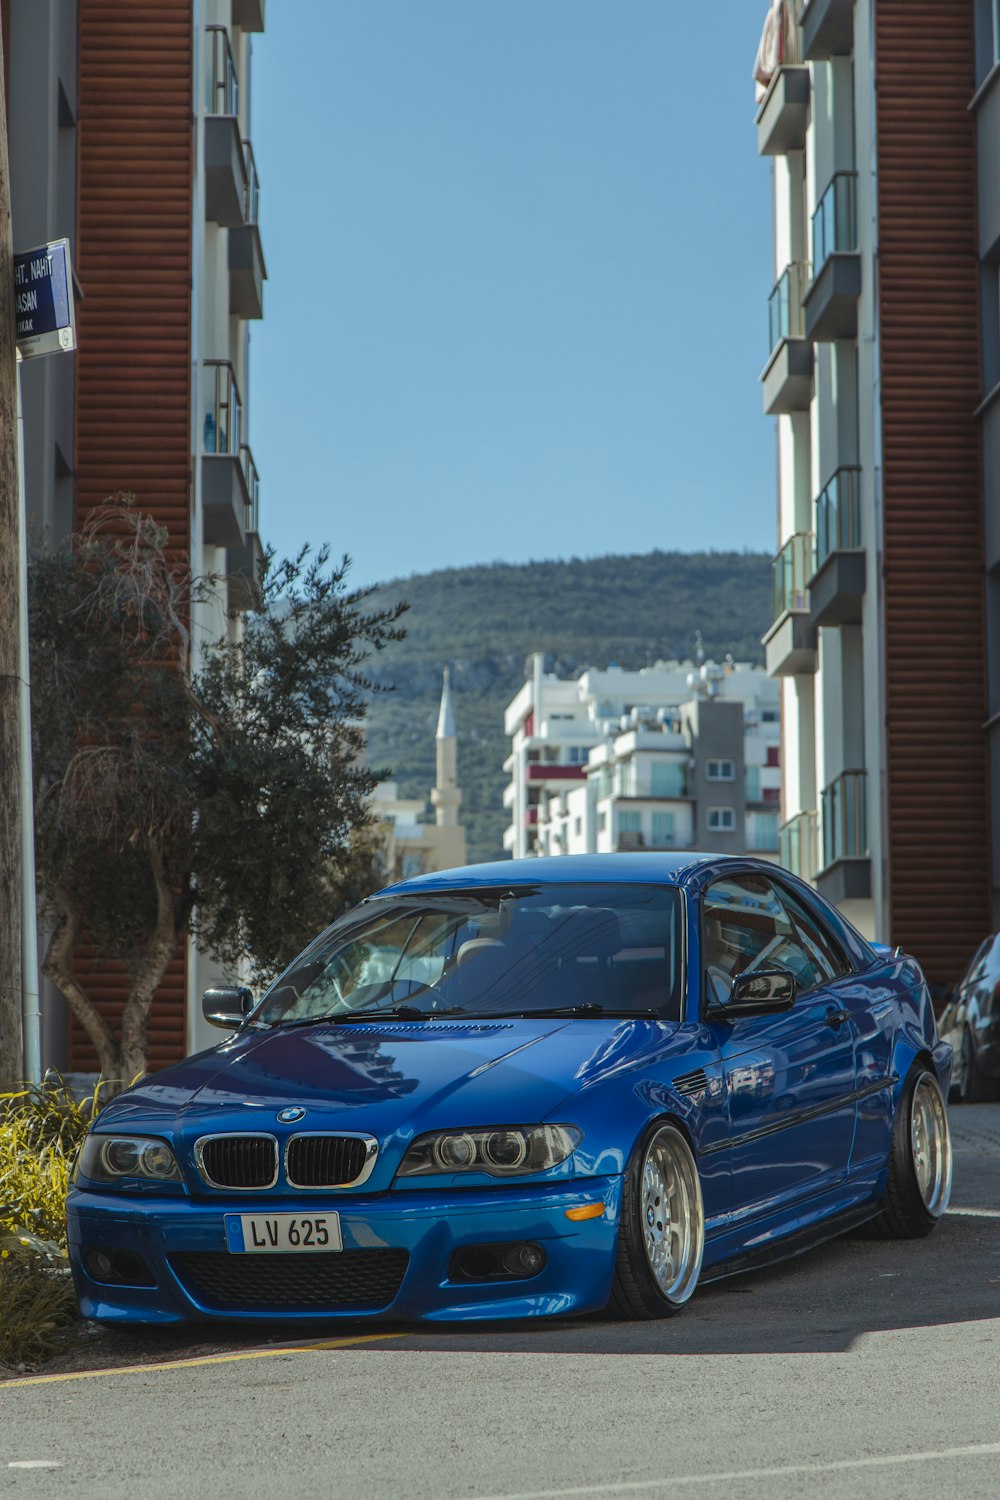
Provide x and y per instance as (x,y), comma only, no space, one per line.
(661,1239)
(974,1087)
(919,1184)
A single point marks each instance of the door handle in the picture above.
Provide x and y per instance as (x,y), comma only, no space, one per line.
(835,1018)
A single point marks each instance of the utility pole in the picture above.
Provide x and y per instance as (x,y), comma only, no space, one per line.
(10,520)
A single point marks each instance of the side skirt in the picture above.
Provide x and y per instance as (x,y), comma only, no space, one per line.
(789,1246)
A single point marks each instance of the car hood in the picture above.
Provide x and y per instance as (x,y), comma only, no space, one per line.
(388,1077)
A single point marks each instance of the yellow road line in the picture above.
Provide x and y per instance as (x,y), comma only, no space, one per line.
(205,1359)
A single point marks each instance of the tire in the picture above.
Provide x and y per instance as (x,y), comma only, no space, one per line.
(659,1253)
(974,1087)
(919,1184)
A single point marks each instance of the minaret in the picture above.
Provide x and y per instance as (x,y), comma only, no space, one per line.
(446,796)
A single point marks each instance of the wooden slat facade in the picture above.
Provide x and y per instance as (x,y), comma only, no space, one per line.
(936,773)
(133,415)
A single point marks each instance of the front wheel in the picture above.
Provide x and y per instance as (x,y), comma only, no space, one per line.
(661,1238)
(919,1184)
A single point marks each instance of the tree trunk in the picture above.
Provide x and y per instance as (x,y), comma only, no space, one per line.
(148,973)
(58,967)
(10,809)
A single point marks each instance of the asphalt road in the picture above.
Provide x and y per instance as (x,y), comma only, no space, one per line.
(862,1369)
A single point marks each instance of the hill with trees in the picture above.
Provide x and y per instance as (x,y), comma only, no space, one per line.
(485,621)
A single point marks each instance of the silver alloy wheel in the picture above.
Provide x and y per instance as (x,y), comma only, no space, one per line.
(673,1216)
(930,1145)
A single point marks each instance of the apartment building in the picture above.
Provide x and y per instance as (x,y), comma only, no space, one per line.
(130,133)
(674,756)
(873,377)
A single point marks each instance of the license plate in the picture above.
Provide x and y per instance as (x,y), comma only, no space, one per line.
(272,1234)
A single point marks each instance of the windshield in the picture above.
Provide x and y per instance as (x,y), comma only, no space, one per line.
(532,949)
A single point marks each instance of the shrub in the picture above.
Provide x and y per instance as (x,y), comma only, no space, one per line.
(40,1130)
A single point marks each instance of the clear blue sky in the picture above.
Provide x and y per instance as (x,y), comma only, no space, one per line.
(519,259)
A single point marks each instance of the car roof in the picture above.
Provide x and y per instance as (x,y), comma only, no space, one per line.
(640,868)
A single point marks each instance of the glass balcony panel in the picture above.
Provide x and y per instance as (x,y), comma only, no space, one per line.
(252,200)
(223,81)
(845,817)
(797,845)
(838,515)
(834,224)
(223,423)
(790,569)
(784,308)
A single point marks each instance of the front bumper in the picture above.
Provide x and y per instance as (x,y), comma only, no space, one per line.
(428,1226)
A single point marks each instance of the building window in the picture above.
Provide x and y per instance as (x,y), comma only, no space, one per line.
(773,755)
(629,821)
(720,770)
(577,826)
(577,754)
(721,819)
(753,783)
(602,821)
(667,779)
(762,832)
(663,830)
(771,715)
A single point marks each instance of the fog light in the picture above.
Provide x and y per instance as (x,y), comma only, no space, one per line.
(523,1260)
(117,1268)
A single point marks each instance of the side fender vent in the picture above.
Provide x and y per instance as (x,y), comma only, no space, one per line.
(691,1083)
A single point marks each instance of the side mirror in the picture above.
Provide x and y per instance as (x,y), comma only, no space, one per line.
(760,992)
(227,1008)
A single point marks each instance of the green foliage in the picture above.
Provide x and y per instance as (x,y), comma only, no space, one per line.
(41,1128)
(39,1315)
(486,620)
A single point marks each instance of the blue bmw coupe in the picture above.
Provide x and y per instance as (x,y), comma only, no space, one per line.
(536,1087)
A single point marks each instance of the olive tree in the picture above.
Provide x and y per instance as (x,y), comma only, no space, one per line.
(226,800)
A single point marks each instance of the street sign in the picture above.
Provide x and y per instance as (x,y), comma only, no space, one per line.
(43,287)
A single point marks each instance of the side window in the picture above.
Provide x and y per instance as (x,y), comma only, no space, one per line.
(972,973)
(817,942)
(747,925)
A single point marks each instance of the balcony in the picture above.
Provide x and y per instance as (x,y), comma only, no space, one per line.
(837,587)
(846,872)
(798,845)
(783,116)
(247,272)
(790,644)
(225,167)
(827,29)
(227,505)
(787,376)
(245,565)
(248,15)
(541,772)
(831,303)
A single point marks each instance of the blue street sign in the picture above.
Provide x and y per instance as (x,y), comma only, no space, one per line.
(43,290)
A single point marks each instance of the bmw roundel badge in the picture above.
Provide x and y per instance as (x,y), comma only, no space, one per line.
(290,1115)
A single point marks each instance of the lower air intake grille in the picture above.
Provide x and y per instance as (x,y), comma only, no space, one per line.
(325,1160)
(366,1279)
(238,1161)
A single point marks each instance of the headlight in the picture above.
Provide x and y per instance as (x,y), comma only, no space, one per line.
(109,1158)
(503,1151)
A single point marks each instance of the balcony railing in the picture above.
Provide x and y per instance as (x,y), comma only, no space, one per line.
(784,306)
(838,515)
(790,569)
(845,817)
(223,430)
(223,83)
(835,222)
(253,489)
(797,845)
(251,203)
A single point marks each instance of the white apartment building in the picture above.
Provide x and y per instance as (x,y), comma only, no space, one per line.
(873,380)
(673,756)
